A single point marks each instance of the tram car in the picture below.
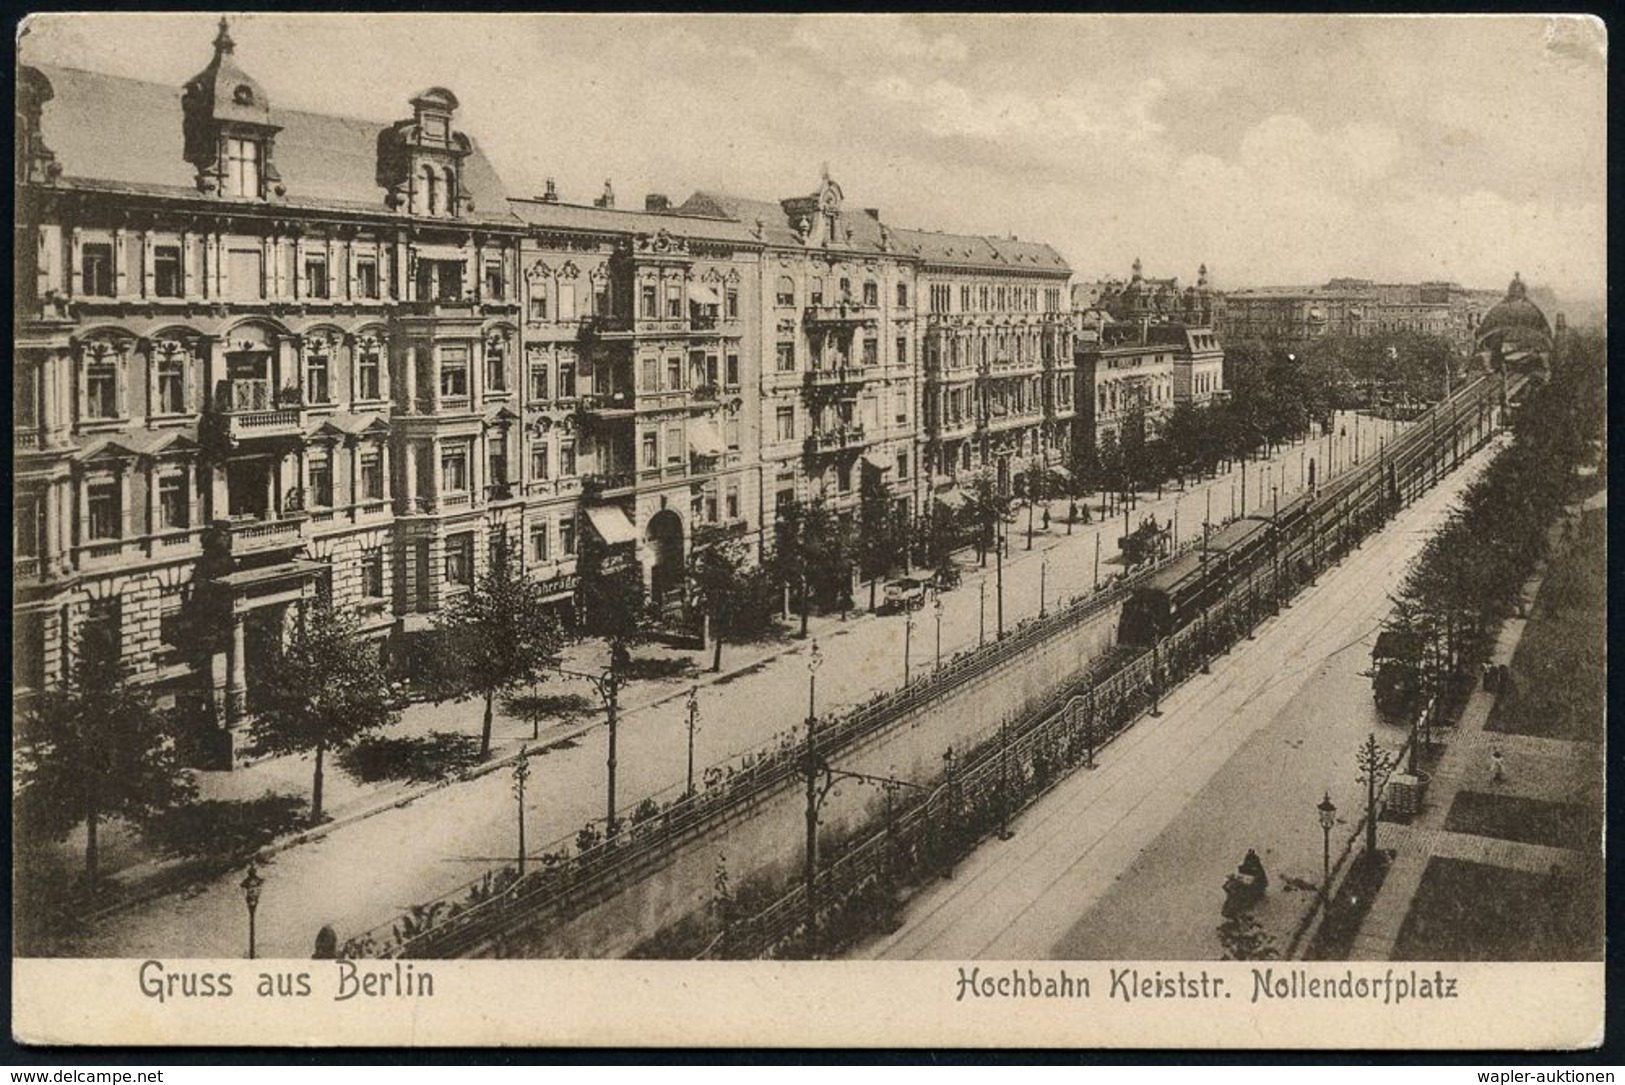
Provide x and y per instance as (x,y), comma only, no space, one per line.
(1174,596)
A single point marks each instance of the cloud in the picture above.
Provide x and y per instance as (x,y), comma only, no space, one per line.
(873,35)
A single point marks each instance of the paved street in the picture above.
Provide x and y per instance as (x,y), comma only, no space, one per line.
(1128,861)
(439,840)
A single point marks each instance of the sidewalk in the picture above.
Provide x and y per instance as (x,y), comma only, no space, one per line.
(1545,769)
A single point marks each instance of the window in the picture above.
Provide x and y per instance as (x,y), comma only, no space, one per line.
(674,445)
(786,358)
(902,465)
(460,559)
(786,417)
(29,523)
(711,372)
(366,276)
(846,291)
(730,433)
(96,267)
(315,275)
(497,463)
(567,537)
(710,508)
(601,298)
(731,374)
(843,477)
(103,501)
(902,350)
(538,462)
(101,388)
(785,294)
(496,283)
(651,451)
(674,300)
(902,295)
(815,294)
(902,405)
(674,374)
(538,300)
(171,385)
(369,375)
(731,501)
(372,476)
(454,469)
(730,303)
(242,168)
(567,380)
(316,386)
(245,270)
(646,301)
(101,626)
(454,373)
(166,271)
(496,365)
(871,352)
(649,379)
(538,379)
(372,572)
(172,504)
(538,542)
(321,480)
(567,459)
(567,301)
(871,292)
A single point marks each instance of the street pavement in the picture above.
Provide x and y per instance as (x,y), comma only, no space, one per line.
(376,863)
(1127,861)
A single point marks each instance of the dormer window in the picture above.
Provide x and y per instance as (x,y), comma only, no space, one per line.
(243,95)
(242,167)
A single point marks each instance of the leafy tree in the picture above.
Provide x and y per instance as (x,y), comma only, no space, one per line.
(880,536)
(93,748)
(320,692)
(985,509)
(738,597)
(612,601)
(497,637)
(808,551)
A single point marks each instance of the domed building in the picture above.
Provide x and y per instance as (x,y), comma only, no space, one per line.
(1515,332)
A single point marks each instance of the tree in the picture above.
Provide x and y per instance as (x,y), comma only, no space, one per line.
(612,601)
(879,539)
(807,550)
(320,692)
(738,597)
(93,748)
(985,509)
(497,637)
(1371,759)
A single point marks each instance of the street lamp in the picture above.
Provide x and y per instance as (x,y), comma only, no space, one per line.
(936,607)
(251,884)
(908,637)
(1328,818)
(1043,582)
(814,659)
(981,610)
(521,773)
(693,725)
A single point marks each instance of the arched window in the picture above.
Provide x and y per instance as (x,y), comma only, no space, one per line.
(786,292)
(451,191)
(431,204)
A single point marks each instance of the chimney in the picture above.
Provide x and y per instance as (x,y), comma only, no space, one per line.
(552,193)
(607,200)
(655,201)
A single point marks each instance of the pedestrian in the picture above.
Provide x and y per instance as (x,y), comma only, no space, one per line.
(1489,677)
(1497,765)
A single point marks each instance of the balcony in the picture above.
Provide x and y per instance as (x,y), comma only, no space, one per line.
(248,535)
(835,376)
(842,312)
(953,427)
(252,408)
(609,486)
(607,404)
(834,440)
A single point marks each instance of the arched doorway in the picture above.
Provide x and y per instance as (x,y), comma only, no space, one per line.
(665,534)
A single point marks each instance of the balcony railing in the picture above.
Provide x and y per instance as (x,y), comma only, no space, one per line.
(609,484)
(248,535)
(832,440)
(607,403)
(841,312)
(837,375)
(253,408)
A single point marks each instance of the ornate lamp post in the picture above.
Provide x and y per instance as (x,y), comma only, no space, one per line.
(936,607)
(251,884)
(1328,817)
(693,725)
(521,773)
(981,611)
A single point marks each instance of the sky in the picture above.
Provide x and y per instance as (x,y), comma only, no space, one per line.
(1277,149)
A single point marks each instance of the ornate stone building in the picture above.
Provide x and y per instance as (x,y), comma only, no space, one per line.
(260,355)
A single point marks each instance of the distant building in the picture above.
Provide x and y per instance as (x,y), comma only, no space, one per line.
(1140,298)
(1358,307)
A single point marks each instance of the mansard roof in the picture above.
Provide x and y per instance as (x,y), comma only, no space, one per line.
(111,133)
(569,216)
(975,250)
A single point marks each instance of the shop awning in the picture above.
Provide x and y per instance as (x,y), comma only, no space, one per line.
(875,461)
(954,498)
(704,440)
(611,524)
(701,294)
